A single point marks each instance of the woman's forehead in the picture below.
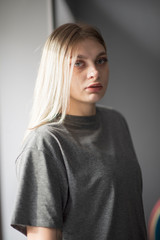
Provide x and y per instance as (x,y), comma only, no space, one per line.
(88,47)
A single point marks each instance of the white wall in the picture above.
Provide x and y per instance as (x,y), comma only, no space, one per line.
(25,25)
(62,13)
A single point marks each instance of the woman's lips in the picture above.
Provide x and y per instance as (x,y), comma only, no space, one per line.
(94,87)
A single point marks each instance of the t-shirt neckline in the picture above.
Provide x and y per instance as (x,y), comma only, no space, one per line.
(75,121)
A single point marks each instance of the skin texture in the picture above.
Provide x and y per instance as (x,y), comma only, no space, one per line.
(90,67)
(40,233)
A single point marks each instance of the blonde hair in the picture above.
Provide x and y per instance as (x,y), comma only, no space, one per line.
(52,89)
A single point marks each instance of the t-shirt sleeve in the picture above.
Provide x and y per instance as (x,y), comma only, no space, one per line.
(43,190)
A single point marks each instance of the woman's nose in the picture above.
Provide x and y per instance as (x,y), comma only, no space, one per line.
(92,73)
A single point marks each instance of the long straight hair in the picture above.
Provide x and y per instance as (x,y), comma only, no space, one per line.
(52,88)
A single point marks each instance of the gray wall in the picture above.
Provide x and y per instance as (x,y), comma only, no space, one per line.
(131,31)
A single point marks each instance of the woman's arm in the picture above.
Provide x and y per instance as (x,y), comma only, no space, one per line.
(40,233)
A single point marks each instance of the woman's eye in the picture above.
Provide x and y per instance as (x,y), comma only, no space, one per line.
(79,64)
(102,60)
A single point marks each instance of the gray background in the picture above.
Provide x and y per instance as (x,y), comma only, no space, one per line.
(132,34)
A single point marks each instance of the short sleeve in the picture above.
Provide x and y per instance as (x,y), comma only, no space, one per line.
(43,190)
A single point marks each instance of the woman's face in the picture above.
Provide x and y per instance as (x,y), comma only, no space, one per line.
(90,75)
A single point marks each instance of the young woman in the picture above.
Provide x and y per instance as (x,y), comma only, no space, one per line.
(79,177)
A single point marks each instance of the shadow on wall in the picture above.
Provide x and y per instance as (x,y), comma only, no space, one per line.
(140,19)
(131,31)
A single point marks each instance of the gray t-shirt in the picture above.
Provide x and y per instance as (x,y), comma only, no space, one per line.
(82,177)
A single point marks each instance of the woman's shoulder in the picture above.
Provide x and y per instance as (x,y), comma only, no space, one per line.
(110,113)
(114,120)
(41,147)
(43,138)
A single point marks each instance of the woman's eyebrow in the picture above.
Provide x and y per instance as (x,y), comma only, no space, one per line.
(85,57)
(102,53)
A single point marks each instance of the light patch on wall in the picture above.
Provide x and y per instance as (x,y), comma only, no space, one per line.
(63,13)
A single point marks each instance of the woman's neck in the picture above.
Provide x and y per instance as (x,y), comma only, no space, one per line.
(82,110)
